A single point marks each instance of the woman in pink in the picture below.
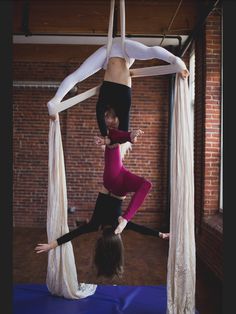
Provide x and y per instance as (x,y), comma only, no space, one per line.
(117,180)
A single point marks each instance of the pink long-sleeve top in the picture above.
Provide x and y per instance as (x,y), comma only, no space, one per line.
(120,181)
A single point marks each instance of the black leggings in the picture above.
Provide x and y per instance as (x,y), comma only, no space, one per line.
(118,97)
(106,212)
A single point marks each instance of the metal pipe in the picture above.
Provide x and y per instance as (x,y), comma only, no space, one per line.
(198,27)
(100,35)
(171,108)
(25,19)
(36,84)
(40,84)
(90,39)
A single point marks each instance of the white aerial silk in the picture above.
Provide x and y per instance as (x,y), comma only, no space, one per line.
(61,272)
(61,275)
(181,270)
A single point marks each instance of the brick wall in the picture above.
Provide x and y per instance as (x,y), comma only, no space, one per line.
(207,144)
(83,161)
(212,114)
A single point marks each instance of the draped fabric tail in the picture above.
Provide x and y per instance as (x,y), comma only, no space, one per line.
(61,271)
(181,259)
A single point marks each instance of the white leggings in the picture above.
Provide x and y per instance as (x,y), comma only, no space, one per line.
(97,61)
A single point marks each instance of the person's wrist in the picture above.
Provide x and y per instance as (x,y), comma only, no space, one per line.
(53,244)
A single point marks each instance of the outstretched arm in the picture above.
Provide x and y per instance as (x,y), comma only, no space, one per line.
(146,231)
(85,228)
(90,66)
(123,223)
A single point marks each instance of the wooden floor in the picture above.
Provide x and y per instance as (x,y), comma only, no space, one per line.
(145,264)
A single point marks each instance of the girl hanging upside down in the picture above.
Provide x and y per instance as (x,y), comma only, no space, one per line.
(118,181)
(116,178)
(109,250)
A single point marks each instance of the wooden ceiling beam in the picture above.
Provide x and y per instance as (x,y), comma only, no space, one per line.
(144,17)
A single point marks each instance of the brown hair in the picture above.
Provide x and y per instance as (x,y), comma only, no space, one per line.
(109,254)
(110,112)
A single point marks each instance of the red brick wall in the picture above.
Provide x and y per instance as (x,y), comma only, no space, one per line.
(207,143)
(84,161)
(212,114)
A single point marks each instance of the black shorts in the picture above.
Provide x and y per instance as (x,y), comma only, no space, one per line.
(107,210)
(118,97)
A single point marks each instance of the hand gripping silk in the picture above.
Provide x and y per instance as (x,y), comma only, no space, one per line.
(181,259)
(61,272)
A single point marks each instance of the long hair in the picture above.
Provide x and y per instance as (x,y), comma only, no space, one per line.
(109,254)
(125,148)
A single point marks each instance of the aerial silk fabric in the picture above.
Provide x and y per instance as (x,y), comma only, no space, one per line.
(181,271)
(61,271)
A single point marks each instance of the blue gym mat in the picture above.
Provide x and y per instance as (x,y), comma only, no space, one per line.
(36,299)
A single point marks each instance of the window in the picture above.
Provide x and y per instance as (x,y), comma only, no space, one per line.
(192,83)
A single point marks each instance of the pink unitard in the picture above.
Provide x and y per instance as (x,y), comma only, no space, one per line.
(118,180)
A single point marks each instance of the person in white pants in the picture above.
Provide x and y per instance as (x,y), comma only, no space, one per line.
(116,88)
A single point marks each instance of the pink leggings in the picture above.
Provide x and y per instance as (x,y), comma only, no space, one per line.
(119,181)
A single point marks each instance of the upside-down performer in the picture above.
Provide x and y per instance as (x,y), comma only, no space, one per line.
(109,250)
(117,181)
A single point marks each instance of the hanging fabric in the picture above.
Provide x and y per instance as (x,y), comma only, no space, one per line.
(122,28)
(77,99)
(181,270)
(61,271)
(110,28)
